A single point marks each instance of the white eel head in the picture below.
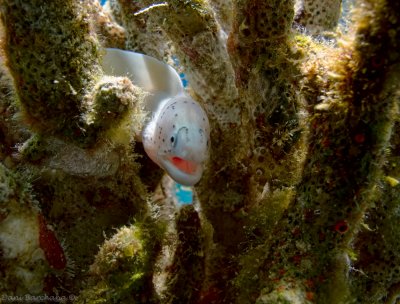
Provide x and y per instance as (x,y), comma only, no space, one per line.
(179,140)
(177,134)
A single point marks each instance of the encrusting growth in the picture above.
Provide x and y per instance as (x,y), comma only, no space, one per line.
(318,17)
(377,268)
(299,199)
(143,35)
(349,134)
(59,94)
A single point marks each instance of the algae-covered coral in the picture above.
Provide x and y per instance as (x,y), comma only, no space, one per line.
(300,199)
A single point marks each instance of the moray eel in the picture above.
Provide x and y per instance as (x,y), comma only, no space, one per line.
(177,133)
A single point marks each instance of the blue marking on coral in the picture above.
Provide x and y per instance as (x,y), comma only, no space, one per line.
(181,75)
(183,194)
(183,79)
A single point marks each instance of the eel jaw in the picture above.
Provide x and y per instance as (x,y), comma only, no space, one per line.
(184,165)
(183,171)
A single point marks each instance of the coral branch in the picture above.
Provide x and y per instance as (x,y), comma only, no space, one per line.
(186,273)
(55,91)
(112,34)
(318,16)
(348,139)
(127,257)
(260,28)
(200,47)
(299,201)
(223,13)
(143,34)
(376,273)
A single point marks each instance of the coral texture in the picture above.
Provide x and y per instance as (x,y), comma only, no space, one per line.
(299,202)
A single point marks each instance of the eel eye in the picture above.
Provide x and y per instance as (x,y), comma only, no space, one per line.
(172,139)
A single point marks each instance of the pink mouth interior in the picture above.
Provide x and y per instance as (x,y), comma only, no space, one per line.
(184,165)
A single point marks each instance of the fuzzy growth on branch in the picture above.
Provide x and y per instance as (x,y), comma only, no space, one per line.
(54,57)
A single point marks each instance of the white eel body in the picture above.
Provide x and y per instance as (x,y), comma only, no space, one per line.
(177,134)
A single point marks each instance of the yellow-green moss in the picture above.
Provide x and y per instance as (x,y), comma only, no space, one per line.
(7,184)
(123,268)
(33,149)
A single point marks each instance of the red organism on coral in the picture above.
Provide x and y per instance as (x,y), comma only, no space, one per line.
(51,247)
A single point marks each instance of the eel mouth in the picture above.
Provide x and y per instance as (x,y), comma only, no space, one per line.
(184,165)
